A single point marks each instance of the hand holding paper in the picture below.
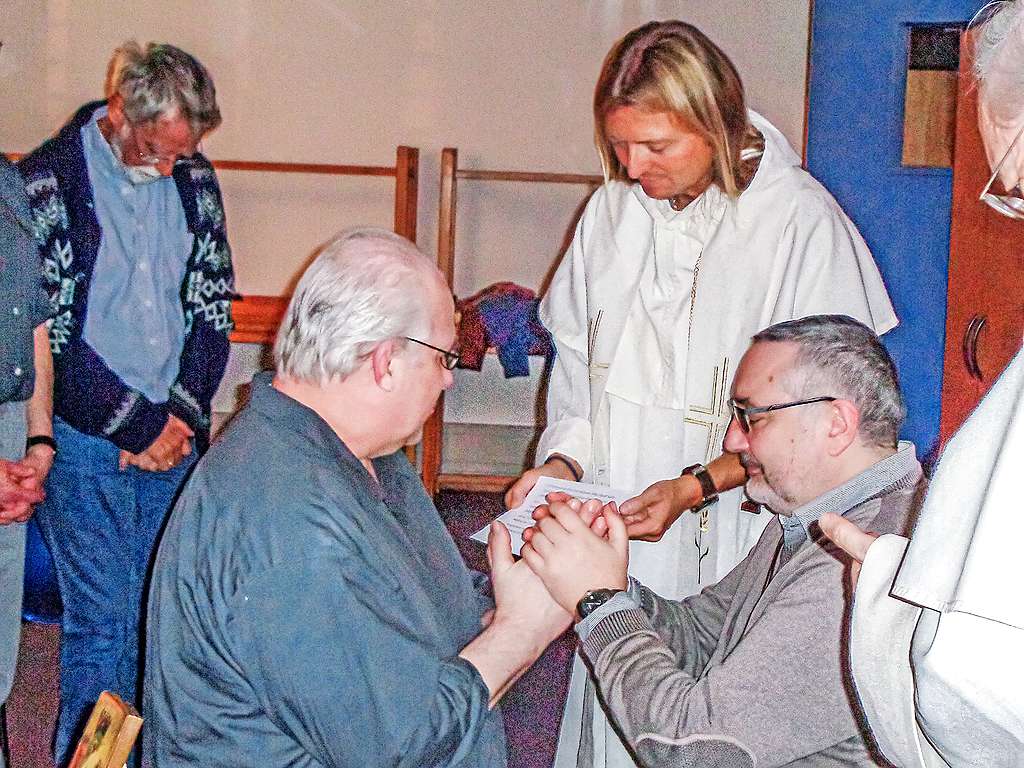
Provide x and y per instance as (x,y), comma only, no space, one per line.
(521,517)
(572,559)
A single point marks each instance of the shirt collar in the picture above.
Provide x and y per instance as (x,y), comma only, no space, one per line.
(706,208)
(310,433)
(98,150)
(296,420)
(881,477)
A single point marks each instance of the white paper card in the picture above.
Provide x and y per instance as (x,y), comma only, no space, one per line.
(521,517)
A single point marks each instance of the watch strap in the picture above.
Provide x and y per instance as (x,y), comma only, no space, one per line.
(709,493)
(577,476)
(593,600)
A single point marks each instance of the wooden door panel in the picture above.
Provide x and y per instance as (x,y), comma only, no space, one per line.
(985,300)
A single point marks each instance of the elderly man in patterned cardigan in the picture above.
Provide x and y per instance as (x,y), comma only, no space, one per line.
(137,264)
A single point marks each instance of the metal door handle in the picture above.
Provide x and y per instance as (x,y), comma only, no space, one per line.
(971,346)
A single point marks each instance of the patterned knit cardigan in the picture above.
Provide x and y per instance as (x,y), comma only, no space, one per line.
(88,395)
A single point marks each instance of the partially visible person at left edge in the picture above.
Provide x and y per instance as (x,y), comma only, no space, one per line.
(26,381)
(137,264)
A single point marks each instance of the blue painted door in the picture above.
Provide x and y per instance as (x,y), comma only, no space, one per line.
(857,80)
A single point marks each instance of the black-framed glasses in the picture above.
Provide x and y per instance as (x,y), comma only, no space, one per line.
(742,413)
(1011,204)
(449,357)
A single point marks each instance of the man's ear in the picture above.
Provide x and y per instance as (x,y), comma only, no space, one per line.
(381,360)
(843,427)
(115,111)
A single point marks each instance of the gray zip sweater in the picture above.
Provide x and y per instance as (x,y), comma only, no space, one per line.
(752,671)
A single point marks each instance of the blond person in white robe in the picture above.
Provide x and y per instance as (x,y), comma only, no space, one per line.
(706,231)
(937,633)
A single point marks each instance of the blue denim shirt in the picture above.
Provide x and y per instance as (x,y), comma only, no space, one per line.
(139,271)
(23,303)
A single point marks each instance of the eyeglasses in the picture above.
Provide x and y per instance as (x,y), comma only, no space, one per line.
(162,159)
(1010,205)
(742,413)
(449,357)
(151,158)
(148,154)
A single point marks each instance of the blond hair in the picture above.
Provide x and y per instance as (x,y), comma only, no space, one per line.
(671,66)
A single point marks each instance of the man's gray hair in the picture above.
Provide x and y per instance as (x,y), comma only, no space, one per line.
(996,21)
(842,357)
(159,80)
(366,285)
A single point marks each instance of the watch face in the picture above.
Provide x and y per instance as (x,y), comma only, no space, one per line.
(594,599)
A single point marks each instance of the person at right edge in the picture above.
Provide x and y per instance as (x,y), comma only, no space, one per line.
(937,629)
(706,231)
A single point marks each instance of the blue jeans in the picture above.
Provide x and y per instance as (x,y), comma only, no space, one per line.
(12,555)
(101,525)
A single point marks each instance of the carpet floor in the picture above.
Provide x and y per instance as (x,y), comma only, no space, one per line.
(532,708)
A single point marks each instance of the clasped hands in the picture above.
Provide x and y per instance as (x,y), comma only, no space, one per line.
(171,446)
(647,516)
(21,488)
(573,548)
(21,484)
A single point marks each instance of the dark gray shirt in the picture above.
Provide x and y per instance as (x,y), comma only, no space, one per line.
(23,303)
(301,614)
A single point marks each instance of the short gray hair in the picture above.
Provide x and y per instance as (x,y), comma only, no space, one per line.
(842,357)
(159,80)
(366,285)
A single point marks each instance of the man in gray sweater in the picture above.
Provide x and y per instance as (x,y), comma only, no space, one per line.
(751,672)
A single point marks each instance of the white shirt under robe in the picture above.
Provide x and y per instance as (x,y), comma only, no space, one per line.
(636,412)
(938,634)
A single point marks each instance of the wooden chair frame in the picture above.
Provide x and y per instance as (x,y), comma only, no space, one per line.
(433,430)
(257,317)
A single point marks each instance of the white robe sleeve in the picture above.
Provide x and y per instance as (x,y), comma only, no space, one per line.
(937,688)
(880,636)
(568,404)
(564,313)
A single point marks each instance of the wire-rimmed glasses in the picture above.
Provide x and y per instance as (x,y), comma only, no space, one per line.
(742,413)
(449,357)
(1011,204)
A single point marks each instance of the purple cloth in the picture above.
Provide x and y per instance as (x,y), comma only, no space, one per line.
(503,316)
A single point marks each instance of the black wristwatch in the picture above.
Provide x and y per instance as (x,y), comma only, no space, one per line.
(41,440)
(593,600)
(709,494)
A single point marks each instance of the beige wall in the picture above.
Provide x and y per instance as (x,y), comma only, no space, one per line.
(345,81)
